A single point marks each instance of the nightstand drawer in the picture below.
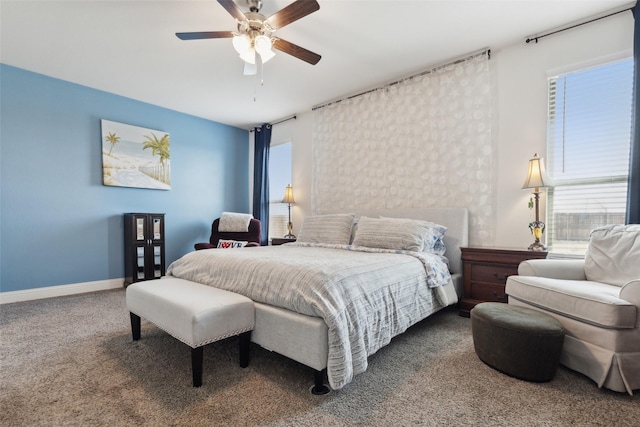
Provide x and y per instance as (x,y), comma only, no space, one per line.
(487,292)
(492,273)
(485,272)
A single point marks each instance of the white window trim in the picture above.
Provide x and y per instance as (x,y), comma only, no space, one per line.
(556,73)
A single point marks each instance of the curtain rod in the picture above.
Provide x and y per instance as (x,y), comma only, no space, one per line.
(423,73)
(281,121)
(531,39)
(284,120)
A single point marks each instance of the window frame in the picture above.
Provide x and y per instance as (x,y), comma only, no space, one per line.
(577,183)
(278,211)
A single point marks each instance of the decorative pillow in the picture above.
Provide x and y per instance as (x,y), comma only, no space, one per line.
(439,248)
(334,228)
(229,244)
(399,233)
(433,238)
(612,255)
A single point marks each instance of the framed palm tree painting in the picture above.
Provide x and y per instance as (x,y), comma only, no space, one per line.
(135,157)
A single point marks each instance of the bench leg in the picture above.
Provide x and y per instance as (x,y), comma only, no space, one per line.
(135,326)
(196,365)
(245,343)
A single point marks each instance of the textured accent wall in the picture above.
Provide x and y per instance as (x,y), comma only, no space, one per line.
(424,142)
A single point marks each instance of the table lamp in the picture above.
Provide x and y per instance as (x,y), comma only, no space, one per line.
(537,178)
(288,199)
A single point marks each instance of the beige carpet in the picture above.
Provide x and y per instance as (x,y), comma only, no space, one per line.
(71,361)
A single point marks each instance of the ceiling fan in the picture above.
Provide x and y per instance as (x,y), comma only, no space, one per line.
(254,38)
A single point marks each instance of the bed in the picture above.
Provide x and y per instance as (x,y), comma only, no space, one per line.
(348,286)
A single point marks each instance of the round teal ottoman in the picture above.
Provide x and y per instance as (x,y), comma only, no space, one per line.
(518,341)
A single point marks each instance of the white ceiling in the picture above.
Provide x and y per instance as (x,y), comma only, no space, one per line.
(130,48)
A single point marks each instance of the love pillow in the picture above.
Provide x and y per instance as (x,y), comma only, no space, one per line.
(230,244)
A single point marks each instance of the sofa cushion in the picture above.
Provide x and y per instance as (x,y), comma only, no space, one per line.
(613,254)
(590,302)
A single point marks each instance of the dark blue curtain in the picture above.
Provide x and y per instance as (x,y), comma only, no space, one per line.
(262,138)
(633,192)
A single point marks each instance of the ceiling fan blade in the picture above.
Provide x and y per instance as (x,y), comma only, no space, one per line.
(296,10)
(233,9)
(297,51)
(205,35)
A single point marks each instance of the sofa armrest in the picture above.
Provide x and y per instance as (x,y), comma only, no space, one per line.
(631,292)
(567,269)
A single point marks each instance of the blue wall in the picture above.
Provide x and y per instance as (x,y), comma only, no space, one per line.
(58,223)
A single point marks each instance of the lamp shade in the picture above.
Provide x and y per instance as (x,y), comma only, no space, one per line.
(267,55)
(249,56)
(288,195)
(241,43)
(262,44)
(537,174)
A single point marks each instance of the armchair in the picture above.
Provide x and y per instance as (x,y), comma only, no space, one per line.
(597,300)
(252,236)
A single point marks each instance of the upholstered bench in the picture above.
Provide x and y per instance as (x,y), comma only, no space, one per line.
(193,313)
(518,341)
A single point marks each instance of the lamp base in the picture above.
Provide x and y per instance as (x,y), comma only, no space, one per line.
(537,247)
(290,234)
(537,228)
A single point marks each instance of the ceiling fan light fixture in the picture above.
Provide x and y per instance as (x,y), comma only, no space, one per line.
(249,56)
(241,43)
(250,69)
(262,44)
(265,56)
(254,31)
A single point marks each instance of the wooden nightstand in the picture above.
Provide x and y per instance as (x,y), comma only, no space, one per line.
(281,241)
(485,272)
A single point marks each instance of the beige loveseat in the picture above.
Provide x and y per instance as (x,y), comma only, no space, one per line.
(597,300)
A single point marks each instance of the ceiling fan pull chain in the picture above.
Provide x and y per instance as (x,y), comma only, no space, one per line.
(255,87)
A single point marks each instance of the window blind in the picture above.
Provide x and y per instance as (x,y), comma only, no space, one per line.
(588,147)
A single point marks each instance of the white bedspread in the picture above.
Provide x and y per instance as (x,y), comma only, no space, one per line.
(365,296)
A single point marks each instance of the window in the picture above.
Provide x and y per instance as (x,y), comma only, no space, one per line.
(588,147)
(279,178)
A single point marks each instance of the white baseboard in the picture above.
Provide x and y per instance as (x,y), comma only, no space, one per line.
(61,290)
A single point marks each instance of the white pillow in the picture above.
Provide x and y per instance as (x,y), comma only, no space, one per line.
(613,254)
(234,222)
(230,244)
(399,233)
(334,228)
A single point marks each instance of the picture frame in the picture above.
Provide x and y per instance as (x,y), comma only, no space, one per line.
(134,156)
